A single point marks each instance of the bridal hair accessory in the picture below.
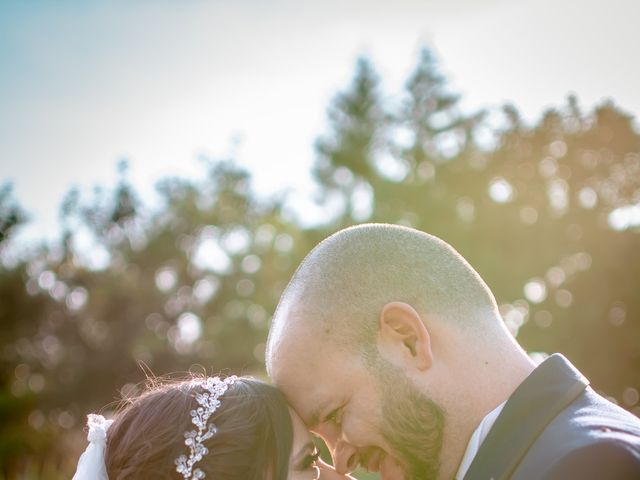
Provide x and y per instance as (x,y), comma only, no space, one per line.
(208,402)
(91,464)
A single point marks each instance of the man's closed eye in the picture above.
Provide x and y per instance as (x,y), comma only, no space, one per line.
(334,417)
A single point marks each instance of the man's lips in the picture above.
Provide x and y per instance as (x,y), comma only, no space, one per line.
(373,460)
(377,460)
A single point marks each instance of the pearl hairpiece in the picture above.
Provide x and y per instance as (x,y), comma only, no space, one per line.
(208,402)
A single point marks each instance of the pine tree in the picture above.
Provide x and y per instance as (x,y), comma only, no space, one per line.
(432,116)
(11,213)
(346,156)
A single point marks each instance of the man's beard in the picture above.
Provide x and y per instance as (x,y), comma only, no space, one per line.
(412,424)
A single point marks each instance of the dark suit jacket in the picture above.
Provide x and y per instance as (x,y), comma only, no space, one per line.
(555,426)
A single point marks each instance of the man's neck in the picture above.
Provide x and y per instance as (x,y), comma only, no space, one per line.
(487,382)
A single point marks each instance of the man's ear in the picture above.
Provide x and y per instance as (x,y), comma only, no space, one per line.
(403,338)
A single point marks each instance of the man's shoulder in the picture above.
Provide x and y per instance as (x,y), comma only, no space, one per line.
(591,419)
(590,431)
(606,458)
(600,417)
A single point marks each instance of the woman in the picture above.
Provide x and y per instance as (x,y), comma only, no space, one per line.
(221,429)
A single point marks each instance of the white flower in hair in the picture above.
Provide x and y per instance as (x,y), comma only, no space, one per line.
(91,464)
(209,402)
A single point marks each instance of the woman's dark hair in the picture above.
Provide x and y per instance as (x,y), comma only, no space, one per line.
(253,441)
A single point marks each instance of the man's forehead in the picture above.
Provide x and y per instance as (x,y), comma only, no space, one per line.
(305,375)
(301,392)
(295,366)
(308,399)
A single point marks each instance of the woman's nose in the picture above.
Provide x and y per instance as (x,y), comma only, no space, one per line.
(327,472)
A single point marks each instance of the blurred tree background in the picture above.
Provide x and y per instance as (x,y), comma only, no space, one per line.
(549,214)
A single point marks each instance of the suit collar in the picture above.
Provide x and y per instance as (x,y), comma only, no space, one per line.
(553,385)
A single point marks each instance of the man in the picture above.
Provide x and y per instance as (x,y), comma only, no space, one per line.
(391,348)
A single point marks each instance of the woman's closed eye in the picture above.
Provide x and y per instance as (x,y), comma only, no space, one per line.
(310,460)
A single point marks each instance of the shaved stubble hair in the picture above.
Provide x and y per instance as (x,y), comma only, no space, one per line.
(340,288)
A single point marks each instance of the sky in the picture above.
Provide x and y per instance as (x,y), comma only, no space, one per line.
(85,83)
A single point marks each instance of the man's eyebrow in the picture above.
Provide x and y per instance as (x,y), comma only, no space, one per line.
(315,416)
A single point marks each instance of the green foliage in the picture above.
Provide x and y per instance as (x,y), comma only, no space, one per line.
(539,211)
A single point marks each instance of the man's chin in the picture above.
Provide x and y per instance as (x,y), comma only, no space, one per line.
(390,469)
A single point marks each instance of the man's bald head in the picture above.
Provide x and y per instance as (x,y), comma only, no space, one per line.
(341,287)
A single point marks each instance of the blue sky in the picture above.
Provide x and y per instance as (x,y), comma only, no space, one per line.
(85,83)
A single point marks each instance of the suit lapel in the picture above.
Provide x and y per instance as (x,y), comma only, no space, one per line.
(550,388)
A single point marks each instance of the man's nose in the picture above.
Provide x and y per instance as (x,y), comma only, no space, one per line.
(345,457)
